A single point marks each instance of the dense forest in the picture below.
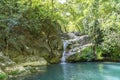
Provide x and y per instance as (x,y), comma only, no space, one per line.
(34,27)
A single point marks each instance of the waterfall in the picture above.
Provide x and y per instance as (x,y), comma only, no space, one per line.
(76,44)
(65,44)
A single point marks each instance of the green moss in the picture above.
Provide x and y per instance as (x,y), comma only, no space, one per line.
(14,72)
(3,76)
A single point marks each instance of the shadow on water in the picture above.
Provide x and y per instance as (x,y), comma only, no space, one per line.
(78,71)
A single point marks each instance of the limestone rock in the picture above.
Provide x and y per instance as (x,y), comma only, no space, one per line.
(5,61)
(34,61)
(14,68)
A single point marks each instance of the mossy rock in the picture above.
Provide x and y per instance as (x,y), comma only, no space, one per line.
(85,55)
(74,58)
(3,75)
(16,72)
(53,59)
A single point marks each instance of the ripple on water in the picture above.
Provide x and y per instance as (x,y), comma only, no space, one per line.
(111,78)
(114,67)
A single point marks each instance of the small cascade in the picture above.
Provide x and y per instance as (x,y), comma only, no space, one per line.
(65,44)
(77,43)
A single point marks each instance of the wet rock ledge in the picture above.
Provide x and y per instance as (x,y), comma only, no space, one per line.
(10,69)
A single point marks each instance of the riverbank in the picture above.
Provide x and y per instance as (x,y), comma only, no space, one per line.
(30,68)
(21,66)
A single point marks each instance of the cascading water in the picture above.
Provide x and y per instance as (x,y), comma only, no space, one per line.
(65,44)
(78,43)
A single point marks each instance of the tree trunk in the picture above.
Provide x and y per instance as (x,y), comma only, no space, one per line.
(94,51)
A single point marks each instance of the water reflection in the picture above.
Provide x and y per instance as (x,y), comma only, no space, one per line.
(83,71)
(64,69)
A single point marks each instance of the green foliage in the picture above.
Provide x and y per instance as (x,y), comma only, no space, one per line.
(111,42)
(3,76)
(87,54)
(26,23)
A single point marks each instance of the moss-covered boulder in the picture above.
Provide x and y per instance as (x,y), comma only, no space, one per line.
(84,55)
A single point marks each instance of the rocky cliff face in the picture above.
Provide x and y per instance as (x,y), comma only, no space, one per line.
(44,41)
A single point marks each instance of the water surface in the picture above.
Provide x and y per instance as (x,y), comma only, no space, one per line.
(78,71)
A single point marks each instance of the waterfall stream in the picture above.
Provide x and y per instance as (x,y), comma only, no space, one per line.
(75,44)
(65,44)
